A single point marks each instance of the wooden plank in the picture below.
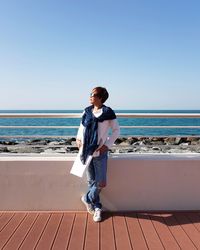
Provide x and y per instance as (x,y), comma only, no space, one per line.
(10,228)
(189,228)
(78,232)
(106,238)
(177,231)
(20,234)
(164,233)
(135,232)
(151,236)
(49,234)
(64,231)
(121,232)
(92,234)
(4,219)
(36,231)
(194,218)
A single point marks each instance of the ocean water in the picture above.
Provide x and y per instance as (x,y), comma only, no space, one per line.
(122,121)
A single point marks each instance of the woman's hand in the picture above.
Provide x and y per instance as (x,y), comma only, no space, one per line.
(102,149)
(78,143)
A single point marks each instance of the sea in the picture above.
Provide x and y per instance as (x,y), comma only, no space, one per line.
(124,132)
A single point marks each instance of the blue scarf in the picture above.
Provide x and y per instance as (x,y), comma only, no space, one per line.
(90,122)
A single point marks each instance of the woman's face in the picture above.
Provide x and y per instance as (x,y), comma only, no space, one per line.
(94,98)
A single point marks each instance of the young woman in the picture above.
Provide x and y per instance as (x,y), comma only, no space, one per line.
(94,139)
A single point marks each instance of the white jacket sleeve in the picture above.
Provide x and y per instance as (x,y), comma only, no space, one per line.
(115,133)
(80,132)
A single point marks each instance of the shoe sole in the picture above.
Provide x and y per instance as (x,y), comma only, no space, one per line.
(97,220)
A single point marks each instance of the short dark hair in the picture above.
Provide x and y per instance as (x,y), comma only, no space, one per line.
(102,93)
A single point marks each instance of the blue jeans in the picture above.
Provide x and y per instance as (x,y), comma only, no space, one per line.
(96,177)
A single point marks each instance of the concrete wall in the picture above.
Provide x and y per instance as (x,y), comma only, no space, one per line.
(137,182)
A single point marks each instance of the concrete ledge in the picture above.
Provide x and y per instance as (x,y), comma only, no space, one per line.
(135,182)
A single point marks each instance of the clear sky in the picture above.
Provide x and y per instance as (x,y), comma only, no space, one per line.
(145,52)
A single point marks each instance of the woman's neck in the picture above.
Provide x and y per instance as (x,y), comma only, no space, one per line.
(97,107)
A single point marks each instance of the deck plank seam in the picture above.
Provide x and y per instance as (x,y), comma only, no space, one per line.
(22,237)
(39,238)
(57,231)
(185,232)
(14,231)
(193,222)
(114,236)
(85,231)
(171,232)
(1,229)
(137,225)
(178,224)
(148,218)
(32,225)
(99,236)
(163,220)
(142,230)
(128,231)
(156,231)
(124,219)
(71,230)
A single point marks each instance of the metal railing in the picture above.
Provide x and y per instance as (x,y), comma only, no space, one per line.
(78,115)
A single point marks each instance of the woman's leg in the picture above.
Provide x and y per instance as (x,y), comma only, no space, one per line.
(96,176)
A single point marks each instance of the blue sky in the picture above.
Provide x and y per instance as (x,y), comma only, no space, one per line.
(146,53)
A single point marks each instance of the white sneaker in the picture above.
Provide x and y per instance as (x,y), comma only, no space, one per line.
(97,215)
(88,206)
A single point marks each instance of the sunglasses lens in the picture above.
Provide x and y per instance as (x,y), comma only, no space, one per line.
(93,95)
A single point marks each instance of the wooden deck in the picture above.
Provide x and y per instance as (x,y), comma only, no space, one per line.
(76,230)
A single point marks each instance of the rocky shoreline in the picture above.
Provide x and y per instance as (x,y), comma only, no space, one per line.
(122,145)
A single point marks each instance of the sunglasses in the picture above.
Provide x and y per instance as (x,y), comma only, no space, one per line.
(94,95)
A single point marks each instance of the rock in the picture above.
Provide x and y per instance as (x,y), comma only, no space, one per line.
(156,148)
(72,149)
(180,140)
(136,143)
(118,141)
(144,149)
(169,141)
(184,144)
(48,151)
(54,143)
(69,141)
(122,145)
(60,150)
(24,149)
(130,150)
(73,143)
(38,142)
(4,150)
(125,143)
(132,140)
(146,141)
(165,148)
(10,143)
(194,140)
(157,141)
